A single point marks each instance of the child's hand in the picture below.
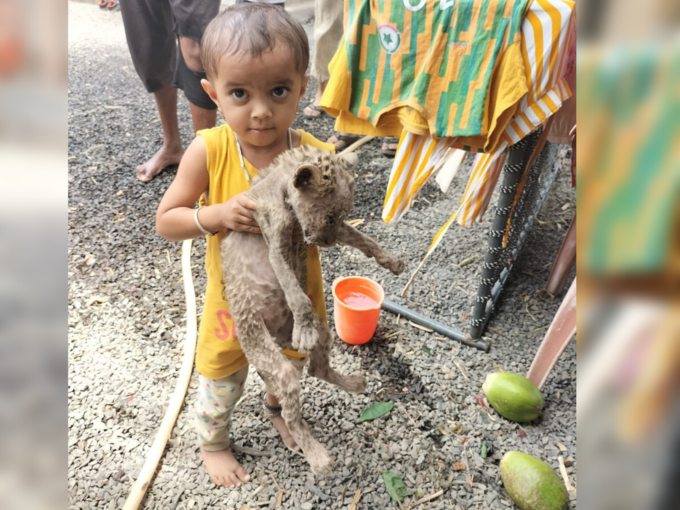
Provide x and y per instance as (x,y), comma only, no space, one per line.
(237,214)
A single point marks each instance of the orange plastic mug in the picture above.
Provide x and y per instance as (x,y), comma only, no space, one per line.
(357,307)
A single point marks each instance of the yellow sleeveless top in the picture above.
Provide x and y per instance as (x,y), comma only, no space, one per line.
(218,352)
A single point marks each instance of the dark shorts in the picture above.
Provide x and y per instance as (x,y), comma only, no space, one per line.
(152,29)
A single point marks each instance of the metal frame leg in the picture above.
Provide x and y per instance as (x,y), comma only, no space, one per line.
(516,163)
(499,261)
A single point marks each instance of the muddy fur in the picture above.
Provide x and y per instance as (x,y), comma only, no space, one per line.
(309,190)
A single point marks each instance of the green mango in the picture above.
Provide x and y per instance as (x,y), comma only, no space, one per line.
(532,484)
(513,396)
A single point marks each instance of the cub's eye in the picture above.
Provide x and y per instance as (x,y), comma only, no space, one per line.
(239,94)
(280,92)
(331,220)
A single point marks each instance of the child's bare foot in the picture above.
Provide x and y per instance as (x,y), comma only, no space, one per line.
(165,157)
(224,469)
(273,412)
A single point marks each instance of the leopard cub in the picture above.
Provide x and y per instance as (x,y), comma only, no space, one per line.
(305,190)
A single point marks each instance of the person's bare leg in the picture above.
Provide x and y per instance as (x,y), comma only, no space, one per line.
(202,119)
(280,425)
(310,112)
(172,151)
(223,468)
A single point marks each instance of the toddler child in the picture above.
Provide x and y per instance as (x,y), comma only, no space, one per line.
(255,57)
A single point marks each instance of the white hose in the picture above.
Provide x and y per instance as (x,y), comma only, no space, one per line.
(177,399)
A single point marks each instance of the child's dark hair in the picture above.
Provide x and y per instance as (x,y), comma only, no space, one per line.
(252,29)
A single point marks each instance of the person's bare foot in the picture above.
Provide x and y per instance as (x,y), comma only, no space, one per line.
(342,140)
(279,423)
(389,147)
(164,158)
(314,110)
(224,469)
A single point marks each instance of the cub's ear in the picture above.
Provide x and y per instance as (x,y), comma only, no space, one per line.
(304,175)
(351,159)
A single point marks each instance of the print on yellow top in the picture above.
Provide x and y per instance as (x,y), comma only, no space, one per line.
(219,352)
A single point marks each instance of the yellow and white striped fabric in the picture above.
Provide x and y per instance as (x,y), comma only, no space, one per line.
(486,169)
(548,47)
(419,155)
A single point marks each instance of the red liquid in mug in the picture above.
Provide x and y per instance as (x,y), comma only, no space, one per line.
(357,300)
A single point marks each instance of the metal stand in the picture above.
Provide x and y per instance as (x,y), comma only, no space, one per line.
(443,329)
(499,261)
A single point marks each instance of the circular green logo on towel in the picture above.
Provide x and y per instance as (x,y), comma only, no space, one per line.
(390,39)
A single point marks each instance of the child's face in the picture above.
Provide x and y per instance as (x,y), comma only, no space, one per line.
(258,96)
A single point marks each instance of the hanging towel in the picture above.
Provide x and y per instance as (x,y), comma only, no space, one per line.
(628,166)
(546,63)
(441,68)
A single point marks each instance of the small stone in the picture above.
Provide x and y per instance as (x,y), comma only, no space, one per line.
(347,425)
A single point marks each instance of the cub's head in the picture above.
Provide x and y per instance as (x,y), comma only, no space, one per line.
(321,193)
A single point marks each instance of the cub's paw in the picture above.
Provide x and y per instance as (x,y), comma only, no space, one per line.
(305,335)
(319,460)
(355,383)
(391,263)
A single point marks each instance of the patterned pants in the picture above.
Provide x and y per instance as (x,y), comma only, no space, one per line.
(217,399)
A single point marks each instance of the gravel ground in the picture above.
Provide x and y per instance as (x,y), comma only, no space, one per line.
(127,318)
